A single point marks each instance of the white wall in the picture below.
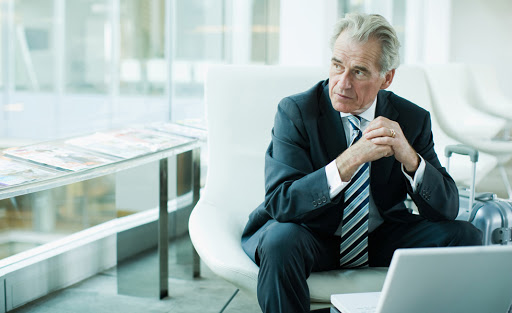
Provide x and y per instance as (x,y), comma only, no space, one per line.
(427,31)
(481,32)
(305,31)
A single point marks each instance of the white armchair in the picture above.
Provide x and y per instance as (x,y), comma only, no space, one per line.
(241,102)
(451,94)
(488,97)
(411,83)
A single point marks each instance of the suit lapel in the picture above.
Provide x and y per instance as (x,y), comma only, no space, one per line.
(381,169)
(329,121)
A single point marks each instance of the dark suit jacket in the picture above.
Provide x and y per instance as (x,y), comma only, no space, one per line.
(308,134)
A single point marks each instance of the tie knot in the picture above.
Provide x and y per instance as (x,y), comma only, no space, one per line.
(355,121)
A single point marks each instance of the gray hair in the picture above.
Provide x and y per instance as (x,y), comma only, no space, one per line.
(363,27)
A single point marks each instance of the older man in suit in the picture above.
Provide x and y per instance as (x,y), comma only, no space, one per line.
(343,157)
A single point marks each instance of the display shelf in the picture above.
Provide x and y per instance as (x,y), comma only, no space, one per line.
(45,160)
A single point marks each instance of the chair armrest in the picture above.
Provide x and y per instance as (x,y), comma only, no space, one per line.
(216,237)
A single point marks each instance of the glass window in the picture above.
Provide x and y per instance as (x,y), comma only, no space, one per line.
(2,13)
(399,11)
(143,67)
(88,45)
(87,65)
(213,31)
(33,45)
(199,30)
(31,220)
(265,32)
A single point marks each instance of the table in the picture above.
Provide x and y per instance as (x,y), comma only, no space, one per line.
(61,177)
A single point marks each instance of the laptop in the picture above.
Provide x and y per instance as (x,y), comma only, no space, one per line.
(440,280)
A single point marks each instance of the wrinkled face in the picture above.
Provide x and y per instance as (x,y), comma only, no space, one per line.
(354,75)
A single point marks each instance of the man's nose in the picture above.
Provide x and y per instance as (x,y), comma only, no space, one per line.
(345,80)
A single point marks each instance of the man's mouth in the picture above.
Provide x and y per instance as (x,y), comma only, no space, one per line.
(343,97)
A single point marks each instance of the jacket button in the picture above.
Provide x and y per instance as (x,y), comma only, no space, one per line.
(314,203)
(324,200)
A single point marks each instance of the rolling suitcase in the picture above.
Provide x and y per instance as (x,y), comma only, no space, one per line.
(491,215)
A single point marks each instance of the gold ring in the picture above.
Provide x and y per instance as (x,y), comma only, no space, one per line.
(393,133)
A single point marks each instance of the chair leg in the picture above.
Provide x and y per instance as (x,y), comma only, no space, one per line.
(506,181)
(229,301)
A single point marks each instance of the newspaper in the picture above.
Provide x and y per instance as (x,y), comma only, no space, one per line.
(180,129)
(15,173)
(128,143)
(59,157)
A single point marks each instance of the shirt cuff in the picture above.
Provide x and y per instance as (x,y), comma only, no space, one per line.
(334,180)
(418,175)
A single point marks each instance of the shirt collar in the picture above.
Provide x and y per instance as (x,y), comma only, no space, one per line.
(368,115)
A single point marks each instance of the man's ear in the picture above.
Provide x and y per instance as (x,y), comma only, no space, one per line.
(389,79)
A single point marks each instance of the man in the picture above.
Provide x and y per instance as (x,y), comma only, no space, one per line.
(343,157)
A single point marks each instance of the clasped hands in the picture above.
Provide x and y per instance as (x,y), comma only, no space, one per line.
(382,138)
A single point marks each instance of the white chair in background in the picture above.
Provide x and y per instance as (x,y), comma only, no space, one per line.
(488,97)
(130,71)
(451,95)
(156,71)
(241,103)
(410,83)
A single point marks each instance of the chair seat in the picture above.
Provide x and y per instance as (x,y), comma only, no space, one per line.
(216,237)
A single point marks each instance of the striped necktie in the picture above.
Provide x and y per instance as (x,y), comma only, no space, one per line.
(354,231)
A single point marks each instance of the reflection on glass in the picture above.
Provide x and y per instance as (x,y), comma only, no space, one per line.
(209,32)
(2,45)
(88,44)
(143,67)
(199,39)
(31,220)
(33,45)
(399,11)
(199,31)
(265,32)
(138,259)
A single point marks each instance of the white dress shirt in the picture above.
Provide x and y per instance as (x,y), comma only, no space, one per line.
(333,177)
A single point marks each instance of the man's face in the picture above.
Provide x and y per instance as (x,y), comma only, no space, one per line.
(354,75)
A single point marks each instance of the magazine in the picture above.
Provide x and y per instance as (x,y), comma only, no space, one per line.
(109,145)
(198,123)
(58,157)
(180,129)
(15,173)
(128,143)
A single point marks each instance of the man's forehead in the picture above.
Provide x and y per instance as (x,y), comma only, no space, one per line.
(349,42)
(362,53)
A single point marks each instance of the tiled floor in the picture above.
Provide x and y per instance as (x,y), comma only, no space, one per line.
(99,294)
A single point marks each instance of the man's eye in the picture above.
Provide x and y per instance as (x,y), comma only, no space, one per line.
(359,73)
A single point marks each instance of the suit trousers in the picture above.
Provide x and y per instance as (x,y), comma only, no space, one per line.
(287,253)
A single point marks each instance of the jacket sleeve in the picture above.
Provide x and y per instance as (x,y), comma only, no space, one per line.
(295,191)
(437,197)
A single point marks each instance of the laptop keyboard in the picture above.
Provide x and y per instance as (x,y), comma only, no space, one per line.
(366,309)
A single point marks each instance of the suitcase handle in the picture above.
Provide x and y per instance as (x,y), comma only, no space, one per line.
(462,150)
(473,156)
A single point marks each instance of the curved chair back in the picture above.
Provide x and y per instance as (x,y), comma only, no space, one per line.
(489,98)
(410,82)
(451,95)
(241,105)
